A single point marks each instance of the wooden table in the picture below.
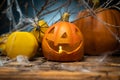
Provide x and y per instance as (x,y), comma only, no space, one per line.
(91,68)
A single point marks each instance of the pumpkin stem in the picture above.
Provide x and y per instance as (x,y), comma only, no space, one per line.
(65,17)
(95,3)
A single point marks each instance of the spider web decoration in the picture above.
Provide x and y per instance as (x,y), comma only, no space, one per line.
(21,14)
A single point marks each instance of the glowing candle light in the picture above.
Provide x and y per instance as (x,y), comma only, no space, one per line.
(60,49)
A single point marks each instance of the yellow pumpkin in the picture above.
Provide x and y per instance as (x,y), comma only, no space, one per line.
(39,30)
(21,43)
(3,39)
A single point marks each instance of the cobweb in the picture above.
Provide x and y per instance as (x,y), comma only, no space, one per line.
(51,11)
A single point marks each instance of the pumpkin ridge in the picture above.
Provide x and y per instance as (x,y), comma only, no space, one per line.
(92,32)
(96,31)
(19,47)
(116,19)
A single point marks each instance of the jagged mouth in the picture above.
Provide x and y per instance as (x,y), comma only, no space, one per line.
(66,47)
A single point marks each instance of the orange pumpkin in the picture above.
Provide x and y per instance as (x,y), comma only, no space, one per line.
(63,41)
(97,36)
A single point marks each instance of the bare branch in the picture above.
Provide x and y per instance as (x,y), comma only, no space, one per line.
(108,3)
(26,8)
(54,9)
(34,6)
(43,7)
(118,3)
(54,17)
(8,6)
(117,7)
(2,3)
(88,1)
(102,5)
(51,4)
(67,6)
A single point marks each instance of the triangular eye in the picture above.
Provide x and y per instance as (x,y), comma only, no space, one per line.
(64,35)
(76,30)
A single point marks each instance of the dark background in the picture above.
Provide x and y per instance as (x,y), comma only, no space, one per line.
(74,7)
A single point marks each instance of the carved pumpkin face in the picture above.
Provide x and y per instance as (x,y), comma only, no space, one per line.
(98,37)
(63,41)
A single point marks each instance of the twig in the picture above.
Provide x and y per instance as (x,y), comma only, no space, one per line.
(54,9)
(68,4)
(108,3)
(88,1)
(34,6)
(51,3)
(54,17)
(117,7)
(2,3)
(43,7)
(8,7)
(102,5)
(26,8)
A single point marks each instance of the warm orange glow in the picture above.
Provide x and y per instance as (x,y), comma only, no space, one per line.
(60,49)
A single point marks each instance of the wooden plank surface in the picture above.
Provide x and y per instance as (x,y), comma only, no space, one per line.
(91,68)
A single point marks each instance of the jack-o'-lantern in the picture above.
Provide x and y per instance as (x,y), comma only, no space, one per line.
(63,41)
(21,43)
(98,32)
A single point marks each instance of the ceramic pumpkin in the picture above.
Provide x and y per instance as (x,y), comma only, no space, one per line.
(63,41)
(39,30)
(97,36)
(21,43)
